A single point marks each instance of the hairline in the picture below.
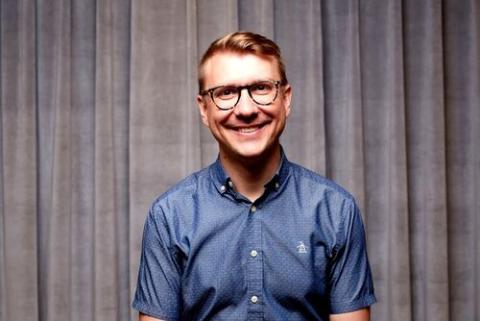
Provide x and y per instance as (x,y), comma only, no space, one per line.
(227,51)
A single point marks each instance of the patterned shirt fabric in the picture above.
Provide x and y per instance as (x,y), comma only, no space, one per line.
(296,253)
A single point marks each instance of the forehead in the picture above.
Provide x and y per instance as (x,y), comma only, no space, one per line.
(225,68)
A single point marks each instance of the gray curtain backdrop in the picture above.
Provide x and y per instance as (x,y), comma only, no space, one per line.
(98,117)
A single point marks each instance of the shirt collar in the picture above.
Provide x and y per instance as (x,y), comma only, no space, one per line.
(223,182)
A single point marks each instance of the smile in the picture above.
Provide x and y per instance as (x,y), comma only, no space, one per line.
(249,129)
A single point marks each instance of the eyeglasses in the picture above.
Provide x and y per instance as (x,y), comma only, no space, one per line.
(262,93)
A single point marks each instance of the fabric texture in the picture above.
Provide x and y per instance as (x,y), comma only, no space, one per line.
(306,232)
(98,116)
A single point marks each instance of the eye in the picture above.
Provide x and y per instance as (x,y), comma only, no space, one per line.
(225,93)
(262,88)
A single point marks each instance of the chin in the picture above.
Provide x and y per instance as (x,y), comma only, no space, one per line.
(255,151)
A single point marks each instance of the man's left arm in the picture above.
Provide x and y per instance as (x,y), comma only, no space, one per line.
(359,315)
(351,285)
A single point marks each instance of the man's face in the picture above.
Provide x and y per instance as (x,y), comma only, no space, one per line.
(248,130)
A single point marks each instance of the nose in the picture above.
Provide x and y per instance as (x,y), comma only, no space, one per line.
(245,107)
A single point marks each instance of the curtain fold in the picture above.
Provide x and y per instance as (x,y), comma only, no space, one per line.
(19,202)
(426,157)
(111,233)
(343,97)
(98,117)
(82,269)
(383,103)
(57,155)
(462,101)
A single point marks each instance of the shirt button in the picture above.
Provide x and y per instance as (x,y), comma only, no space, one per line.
(230,183)
(223,188)
(254,299)
(253,209)
(253,253)
(277,185)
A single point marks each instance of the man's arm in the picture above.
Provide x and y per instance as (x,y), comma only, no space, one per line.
(144,317)
(159,280)
(359,315)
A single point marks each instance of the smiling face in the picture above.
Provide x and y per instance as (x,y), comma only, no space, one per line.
(249,130)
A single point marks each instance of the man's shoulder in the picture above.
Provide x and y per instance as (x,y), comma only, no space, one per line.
(178,205)
(313,180)
(186,187)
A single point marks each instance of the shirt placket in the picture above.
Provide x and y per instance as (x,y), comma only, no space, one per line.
(255,265)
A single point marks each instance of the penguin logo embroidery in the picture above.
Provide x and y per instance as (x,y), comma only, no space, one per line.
(301,247)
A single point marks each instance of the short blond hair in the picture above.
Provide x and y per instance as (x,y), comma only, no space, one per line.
(243,42)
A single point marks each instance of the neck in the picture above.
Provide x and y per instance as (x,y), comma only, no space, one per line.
(249,175)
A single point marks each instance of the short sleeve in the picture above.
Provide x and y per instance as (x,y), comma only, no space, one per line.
(351,285)
(159,278)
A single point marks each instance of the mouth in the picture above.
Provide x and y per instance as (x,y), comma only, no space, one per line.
(249,129)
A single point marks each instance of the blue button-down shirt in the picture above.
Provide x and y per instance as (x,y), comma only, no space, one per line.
(296,253)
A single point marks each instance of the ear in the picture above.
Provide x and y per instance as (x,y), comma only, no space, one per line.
(287,98)
(202,107)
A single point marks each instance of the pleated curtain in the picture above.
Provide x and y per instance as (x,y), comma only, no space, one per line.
(98,117)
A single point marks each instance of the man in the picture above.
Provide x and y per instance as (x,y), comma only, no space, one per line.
(252,236)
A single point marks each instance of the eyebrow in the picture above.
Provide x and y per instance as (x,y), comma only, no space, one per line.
(245,84)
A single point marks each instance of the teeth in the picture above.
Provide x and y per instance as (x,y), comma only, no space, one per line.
(248,130)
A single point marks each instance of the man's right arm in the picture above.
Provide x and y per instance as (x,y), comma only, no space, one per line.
(144,317)
(159,277)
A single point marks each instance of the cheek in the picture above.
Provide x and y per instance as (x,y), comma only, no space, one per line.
(217,118)
(280,114)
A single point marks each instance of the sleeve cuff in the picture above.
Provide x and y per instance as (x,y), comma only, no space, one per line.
(151,311)
(343,307)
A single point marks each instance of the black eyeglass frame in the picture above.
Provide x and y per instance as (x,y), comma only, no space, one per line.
(276,83)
